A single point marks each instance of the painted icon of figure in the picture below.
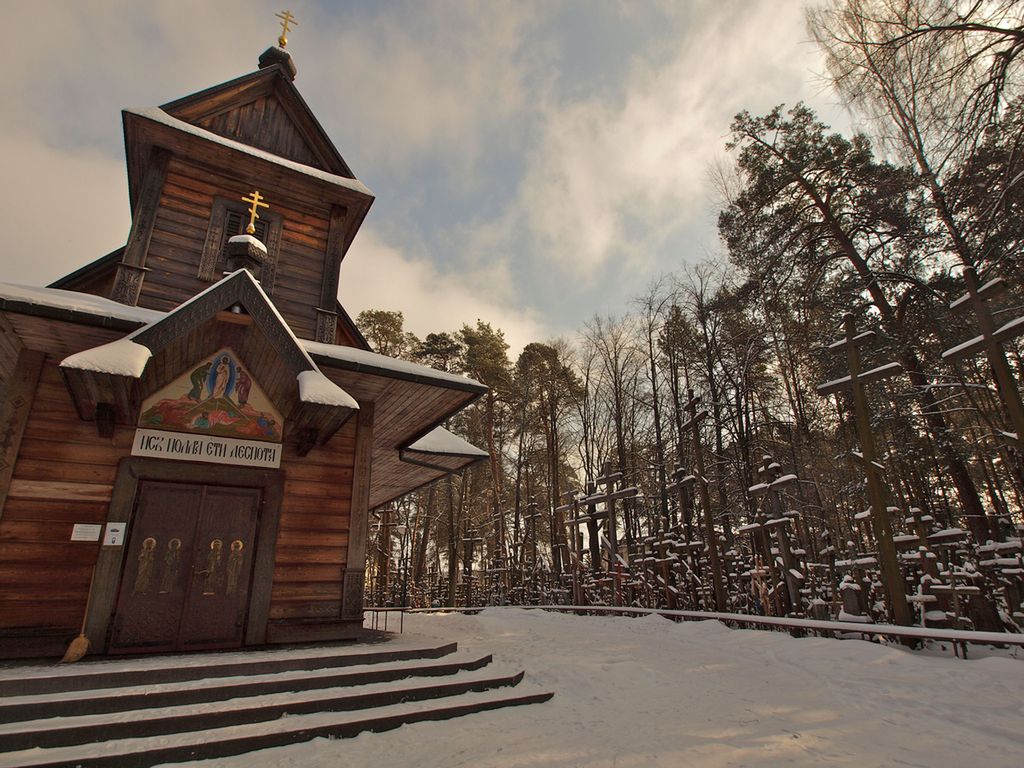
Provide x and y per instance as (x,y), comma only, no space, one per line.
(213,561)
(145,572)
(242,386)
(234,570)
(172,560)
(221,378)
(198,379)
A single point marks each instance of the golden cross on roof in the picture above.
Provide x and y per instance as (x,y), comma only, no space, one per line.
(287,20)
(256,200)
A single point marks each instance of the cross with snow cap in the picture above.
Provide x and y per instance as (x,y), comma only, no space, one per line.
(991,340)
(256,202)
(882,524)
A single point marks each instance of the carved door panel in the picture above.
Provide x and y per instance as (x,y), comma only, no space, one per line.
(187,569)
(214,611)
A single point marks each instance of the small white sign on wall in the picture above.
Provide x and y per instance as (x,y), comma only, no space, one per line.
(86,532)
(113,535)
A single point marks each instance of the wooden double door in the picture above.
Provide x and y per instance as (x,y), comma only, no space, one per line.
(188,568)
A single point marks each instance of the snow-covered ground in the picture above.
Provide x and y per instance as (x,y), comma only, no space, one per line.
(638,693)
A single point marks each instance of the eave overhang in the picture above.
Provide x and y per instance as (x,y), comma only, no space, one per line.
(109,382)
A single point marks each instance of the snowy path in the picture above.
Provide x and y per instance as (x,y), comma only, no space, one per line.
(636,693)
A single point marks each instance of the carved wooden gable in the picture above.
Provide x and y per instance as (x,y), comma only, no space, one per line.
(264,123)
(264,110)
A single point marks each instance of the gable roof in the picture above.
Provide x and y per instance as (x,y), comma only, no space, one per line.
(263,109)
(119,373)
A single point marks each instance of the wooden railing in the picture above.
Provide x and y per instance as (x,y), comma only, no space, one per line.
(958,638)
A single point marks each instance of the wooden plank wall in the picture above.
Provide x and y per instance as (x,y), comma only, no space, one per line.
(265,124)
(312,541)
(180,231)
(64,475)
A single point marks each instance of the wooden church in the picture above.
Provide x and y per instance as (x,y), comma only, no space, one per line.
(193,429)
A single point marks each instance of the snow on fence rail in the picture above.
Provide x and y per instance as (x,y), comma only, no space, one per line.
(960,638)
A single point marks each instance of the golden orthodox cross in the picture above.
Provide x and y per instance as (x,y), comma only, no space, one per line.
(256,200)
(286,20)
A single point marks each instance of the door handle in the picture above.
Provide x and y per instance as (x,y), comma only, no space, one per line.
(199,573)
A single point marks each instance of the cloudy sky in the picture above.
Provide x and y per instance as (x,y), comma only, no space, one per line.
(534,163)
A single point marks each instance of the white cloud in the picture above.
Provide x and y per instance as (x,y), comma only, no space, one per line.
(613,175)
(376,275)
(434,86)
(63,209)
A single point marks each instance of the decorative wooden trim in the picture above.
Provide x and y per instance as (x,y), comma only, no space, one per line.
(240,289)
(333,256)
(131,270)
(326,325)
(355,562)
(14,412)
(210,257)
(110,563)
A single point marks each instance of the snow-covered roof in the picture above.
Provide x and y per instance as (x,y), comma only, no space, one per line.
(99,307)
(157,115)
(371,361)
(122,357)
(316,388)
(72,301)
(440,440)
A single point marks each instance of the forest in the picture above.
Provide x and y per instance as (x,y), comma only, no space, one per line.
(825,422)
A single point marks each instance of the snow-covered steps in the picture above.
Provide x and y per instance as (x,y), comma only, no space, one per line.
(196,709)
(120,673)
(108,700)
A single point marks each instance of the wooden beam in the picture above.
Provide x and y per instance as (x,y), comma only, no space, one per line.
(355,562)
(14,412)
(131,270)
(327,316)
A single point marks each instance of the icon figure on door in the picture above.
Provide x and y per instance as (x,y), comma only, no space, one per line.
(213,564)
(172,561)
(235,562)
(144,574)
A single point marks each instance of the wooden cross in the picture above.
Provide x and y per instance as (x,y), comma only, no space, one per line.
(256,200)
(682,482)
(471,538)
(287,21)
(855,381)
(991,342)
(693,424)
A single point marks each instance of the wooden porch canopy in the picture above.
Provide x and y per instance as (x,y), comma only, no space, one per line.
(411,401)
(108,383)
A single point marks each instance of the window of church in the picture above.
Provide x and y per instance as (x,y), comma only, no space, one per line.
(229,218)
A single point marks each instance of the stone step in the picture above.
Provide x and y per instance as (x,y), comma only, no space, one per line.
(92,675)
(82,729)
(239,739)
(70,703)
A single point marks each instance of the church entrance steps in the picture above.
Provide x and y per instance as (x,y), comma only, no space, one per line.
(108,673)
(203,715)
(109,700)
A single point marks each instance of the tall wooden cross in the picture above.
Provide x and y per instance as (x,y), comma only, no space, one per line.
(287,21)
(899,609)
(471,539)
(682,483)
(991,340)
(572,555)
(255,200)
(693,425)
